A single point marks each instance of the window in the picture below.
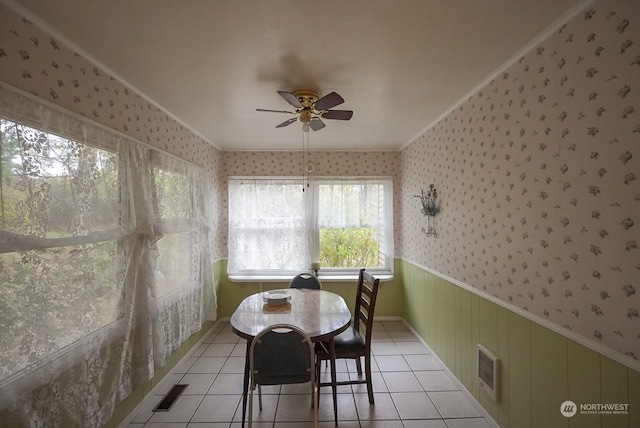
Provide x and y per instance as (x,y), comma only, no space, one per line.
(105,261)
(58,243)
(277,229)
(174,267)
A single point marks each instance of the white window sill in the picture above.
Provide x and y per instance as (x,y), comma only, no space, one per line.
(321,277)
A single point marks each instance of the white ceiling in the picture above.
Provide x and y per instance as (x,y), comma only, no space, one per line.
(400,65)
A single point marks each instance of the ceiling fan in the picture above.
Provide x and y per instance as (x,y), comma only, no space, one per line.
(310,109)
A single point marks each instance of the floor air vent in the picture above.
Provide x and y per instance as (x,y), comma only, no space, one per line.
(170,398)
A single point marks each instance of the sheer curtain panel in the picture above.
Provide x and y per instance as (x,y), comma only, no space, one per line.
(104,264)
(269,230)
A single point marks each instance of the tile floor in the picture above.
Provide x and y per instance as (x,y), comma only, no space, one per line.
(411,390)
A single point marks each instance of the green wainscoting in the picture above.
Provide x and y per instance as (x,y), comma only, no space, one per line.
(540,368)
(231,293)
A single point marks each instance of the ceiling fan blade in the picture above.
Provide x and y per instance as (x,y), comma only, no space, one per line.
(316,124)
(338,114)
(329,101)
(291,99)
(287,122)
(275,111)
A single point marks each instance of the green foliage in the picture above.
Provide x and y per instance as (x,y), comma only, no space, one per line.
(349,247)
(50,298)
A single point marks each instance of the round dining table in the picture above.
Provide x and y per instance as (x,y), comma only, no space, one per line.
(321,314)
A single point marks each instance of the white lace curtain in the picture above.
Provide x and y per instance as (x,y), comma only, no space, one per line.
(268,226)
(105,264)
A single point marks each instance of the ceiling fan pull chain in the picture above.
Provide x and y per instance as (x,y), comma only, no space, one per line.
(303,159)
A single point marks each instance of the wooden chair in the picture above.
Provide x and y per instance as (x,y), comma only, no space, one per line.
(282,354)
(355,342)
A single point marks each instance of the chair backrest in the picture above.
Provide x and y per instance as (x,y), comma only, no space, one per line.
(281,354)
(366,295)
(305,280)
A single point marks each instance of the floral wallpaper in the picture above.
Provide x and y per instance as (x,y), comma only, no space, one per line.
(37,63)
(538,181)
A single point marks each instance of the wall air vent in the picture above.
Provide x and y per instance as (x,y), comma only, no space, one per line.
(488,373)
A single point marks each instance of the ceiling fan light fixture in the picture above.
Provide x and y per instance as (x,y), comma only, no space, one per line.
(310,109)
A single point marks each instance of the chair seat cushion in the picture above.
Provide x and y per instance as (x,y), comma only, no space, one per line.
(348,344)
(348,339)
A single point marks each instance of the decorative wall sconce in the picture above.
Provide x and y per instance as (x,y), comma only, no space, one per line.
(429,209)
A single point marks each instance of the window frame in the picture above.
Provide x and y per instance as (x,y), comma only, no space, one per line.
(312,206)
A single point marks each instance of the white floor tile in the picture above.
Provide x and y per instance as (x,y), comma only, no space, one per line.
(435,380)
(414,405)
(210,337)
(384,348)
(346,408)
(217,408)
(214,425)
(240,349)
(403,336)
(402,382)
(295,388)
(394,325)
(380,336)
(268,412)
(199,350)
(384,408)
(342,365)
(377,380)
(467,423)
(199,383)
(296,408)
(453,404)
(207,365)
(184,365)
(218,350)
(234,365)
(380,424)
(412,348)
(226,337)
(325,376)
(352,368)
(227,383)
(166,425)
(392,363)
(425,423)
(422,362)
(239,425)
